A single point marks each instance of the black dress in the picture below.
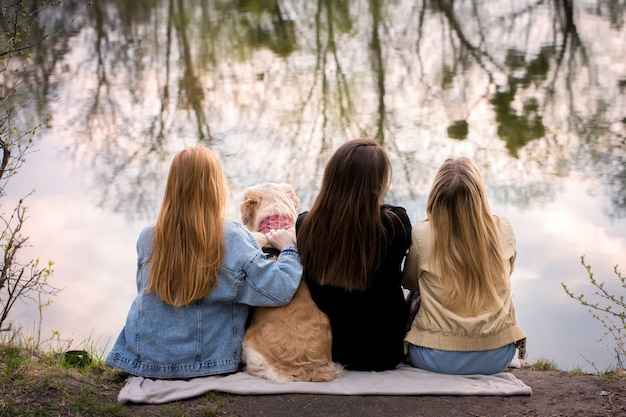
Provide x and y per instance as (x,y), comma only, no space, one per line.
(369,326)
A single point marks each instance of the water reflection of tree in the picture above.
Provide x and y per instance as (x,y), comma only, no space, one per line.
(515,127)
(194,53)
(534,82)
(602,151)
(602,155)
(52,29)
(304,76)
(268,25)
(124,162)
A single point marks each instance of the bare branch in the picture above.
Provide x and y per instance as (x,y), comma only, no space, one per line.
(609,310)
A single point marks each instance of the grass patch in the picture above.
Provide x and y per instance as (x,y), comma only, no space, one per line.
(543,364)
(578,371)
(35,383)
(89,403)
(11,360)
(614,374)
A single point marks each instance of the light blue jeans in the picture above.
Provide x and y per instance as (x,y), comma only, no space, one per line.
(483,362)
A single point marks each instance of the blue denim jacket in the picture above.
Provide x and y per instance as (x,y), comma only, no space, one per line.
(163,341)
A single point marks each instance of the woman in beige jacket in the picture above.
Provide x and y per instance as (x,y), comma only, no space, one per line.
(459,263)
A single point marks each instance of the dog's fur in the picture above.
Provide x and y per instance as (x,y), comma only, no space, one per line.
(293,342)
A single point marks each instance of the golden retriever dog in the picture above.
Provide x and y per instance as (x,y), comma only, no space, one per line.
(293,342)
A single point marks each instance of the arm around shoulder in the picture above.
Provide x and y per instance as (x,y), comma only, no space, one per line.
(265,282)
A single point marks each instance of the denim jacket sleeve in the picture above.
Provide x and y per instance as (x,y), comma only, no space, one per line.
(261,282)
(145,242)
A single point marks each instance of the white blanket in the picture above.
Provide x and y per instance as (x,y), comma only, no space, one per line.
(404,380)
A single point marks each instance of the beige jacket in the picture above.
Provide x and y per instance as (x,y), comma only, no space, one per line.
(439,328)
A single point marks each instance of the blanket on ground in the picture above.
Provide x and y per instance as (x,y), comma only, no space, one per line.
(404,380)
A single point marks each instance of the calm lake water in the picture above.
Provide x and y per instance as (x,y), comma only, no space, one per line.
(533,91)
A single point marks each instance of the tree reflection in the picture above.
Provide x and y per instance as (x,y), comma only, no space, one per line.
(268,25)
(124,163)
(515,129)
(190,85)
(378,66)
(287,81)
(534,82)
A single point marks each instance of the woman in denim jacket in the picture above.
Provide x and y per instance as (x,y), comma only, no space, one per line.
(197,274)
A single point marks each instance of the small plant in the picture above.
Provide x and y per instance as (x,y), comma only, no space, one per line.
(543,364)
(608,308)
(577,371)
(11,359)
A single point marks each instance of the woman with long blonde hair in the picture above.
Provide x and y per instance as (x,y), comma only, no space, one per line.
(197,273)
(352,248)
(459,263)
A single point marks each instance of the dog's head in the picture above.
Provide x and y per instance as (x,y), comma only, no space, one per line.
(267,199)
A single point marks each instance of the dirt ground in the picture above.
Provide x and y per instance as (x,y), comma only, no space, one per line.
(38,388)
(555,393)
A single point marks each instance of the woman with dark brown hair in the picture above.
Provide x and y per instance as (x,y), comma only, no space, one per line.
(352,247)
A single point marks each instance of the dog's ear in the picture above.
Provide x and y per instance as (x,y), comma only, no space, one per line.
(248,207)
(292,195)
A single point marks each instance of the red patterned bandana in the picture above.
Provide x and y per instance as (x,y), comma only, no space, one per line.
(274,222)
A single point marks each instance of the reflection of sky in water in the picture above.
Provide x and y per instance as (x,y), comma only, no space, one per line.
(94,254)
(558,214)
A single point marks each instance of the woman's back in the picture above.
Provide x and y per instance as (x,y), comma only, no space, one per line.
(204,338)
(459,262)
(196,275)
(352,250)
(369,326)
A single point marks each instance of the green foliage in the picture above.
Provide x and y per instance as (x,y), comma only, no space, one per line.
(88,403)
(458,130)
(45,386)
(608,307)
(544,365)
(577,371)
(518,128)
(35,382)
(11,359)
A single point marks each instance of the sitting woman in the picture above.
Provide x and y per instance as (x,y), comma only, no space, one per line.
(459,263)
(197,274)
(352,250)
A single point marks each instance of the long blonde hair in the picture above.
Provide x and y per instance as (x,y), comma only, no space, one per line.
(466,247)
(341,237)
(189,241)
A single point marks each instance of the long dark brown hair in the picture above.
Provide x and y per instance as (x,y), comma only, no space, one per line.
(341,237)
